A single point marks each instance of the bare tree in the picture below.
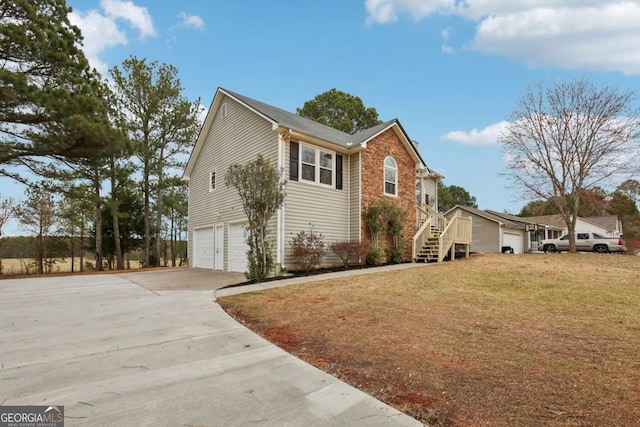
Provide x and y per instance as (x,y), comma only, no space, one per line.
(38,213)
(567,138)
(7,211)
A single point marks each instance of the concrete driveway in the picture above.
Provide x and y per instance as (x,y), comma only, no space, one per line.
(116,353)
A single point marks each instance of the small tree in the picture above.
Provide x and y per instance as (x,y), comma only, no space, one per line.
(7,211)
(39,214)
(396,218)
(348,251)
(567,138)
(261,189)
(307,250)
(383,216)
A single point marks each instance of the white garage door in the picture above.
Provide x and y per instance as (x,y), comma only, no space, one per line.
(203,248)
(513,240)
(238,248)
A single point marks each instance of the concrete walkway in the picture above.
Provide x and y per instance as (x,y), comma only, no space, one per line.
(118,354)
(235,290)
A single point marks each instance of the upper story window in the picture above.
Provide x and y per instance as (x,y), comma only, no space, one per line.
(390,177)
(316,165)
(212,180)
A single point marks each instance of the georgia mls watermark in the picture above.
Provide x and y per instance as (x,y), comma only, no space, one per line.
(31,416)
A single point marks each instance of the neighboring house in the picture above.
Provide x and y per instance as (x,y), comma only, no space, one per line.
(609,226)
(492,233)
(536,230)
(332,177)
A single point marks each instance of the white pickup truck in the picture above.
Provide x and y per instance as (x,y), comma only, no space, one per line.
(587,241)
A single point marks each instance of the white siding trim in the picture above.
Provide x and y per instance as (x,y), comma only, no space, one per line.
(280,214)
(360,198)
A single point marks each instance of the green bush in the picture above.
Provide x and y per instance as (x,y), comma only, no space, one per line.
(374,257)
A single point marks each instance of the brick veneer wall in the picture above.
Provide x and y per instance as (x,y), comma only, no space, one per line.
(388,144)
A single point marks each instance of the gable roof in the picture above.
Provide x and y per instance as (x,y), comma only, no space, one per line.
(519,225)
(607,222)
(280,118)
(610,222)
(552,220)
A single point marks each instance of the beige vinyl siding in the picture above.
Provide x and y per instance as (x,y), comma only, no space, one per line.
(326,209)
(354,197)
(485,234)
(431,188)
(236,138)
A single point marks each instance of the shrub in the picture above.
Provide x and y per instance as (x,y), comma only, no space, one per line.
(383,216)
(348,252)
(307,250)
(374,257)
(394,255)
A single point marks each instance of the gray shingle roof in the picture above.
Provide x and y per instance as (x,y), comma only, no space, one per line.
(315,129)
(293,121)
(492,217)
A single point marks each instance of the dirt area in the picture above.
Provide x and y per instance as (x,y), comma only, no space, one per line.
(505,340)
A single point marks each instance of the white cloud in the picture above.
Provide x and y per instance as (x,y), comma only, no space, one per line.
(138,17)
(101,32)
(603,38)
(446,44)
(486,136)
(572,34)
(191,21)
(383,11)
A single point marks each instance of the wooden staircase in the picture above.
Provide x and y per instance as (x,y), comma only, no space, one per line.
(436,237)
(430,251)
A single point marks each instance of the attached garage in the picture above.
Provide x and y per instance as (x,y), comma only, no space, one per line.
(514,241)
(238,248)
(203,252)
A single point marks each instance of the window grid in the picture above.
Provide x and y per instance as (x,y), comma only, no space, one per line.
(317,166)
(390,177)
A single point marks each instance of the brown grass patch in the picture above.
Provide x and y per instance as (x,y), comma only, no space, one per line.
(492,341)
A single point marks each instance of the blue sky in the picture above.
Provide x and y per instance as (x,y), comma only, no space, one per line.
(450,70)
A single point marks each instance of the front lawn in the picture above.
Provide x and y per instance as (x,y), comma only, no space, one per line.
(504,340)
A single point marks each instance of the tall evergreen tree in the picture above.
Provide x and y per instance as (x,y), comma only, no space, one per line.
(50,102)
(340,110)
(161,123)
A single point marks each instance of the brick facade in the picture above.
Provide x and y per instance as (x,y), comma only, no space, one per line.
(372,158)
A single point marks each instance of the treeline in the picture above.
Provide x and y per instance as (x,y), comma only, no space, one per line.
(64,248)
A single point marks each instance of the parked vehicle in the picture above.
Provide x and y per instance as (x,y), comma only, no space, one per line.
(585,242)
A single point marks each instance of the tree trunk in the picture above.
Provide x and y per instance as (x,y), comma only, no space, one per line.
(173,242)
(82,249)
(73,255)
(159,206)
(147,215)
(98,226)
(115,218)
(40,253)
(116,238)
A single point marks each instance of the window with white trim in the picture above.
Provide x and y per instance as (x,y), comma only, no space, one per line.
(390,177)
(212,180)
(317,165)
